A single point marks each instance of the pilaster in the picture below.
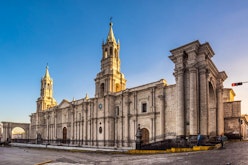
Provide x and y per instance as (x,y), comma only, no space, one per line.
(180,119)
(127,119)
(220,123)
(203,102)
(162,114)
(193,102)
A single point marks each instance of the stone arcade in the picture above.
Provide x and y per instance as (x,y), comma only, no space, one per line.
(193,105)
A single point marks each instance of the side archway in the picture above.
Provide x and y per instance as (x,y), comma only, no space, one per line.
(9,126)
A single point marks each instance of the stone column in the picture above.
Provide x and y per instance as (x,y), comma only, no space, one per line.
(192,102)
(152,130)
(127,123)
(72,126)
(85,125)
(27,133)
(154,111)
(4,132)
(116,133)
(47,118)
(9,134)
(55,125)
(162,114)
(122,122)
(76,128)
(180,128)
(220,123)
(203,102)
(82,126)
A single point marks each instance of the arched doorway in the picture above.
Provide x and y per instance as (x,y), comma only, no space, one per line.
(145,136)
(64,135)
(212,114)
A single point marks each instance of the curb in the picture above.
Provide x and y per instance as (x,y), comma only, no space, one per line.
(175,150)
(71,148)
(48,161)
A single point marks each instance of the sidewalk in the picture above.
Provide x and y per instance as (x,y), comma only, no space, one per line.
(73,148)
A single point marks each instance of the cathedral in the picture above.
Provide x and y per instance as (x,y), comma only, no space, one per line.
(195,104)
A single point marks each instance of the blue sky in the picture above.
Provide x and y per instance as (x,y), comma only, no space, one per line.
(68,34)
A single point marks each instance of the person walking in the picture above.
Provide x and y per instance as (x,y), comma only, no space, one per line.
(221,141)
(198,139)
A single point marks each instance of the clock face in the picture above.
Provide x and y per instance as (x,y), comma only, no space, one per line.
(100,106)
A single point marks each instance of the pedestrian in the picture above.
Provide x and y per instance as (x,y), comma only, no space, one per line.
(221,141)
(198,139)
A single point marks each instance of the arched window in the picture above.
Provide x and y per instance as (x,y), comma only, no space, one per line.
(105,53)
(100,130)
(102,90)
(111,51)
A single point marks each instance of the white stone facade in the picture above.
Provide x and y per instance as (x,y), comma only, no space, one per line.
(193,105)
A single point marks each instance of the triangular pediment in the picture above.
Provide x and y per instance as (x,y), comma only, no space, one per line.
(64,104)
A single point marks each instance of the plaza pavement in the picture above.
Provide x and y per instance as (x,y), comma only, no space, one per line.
(234,153)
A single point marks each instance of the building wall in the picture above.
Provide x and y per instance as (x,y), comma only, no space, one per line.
(232,118)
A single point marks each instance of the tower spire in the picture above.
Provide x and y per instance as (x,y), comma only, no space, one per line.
(111,36)
(47,75)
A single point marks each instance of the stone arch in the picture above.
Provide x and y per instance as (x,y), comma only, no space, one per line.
(212,109)
(9,126)
(145,136)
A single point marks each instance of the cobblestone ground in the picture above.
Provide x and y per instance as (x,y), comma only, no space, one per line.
(234,153)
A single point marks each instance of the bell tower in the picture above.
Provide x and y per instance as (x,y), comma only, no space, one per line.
(46,99)
(110,79)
